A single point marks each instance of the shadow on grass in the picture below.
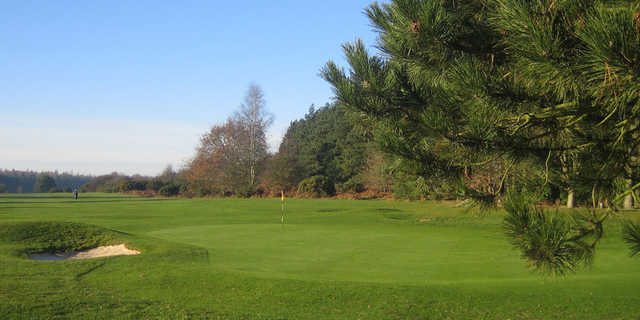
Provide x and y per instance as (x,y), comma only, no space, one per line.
(330,210)
(388,210)
(92,269)
(397,216)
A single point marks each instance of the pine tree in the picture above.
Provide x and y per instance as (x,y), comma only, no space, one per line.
(461,86)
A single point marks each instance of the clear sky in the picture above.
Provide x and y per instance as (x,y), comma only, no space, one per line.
(129,86)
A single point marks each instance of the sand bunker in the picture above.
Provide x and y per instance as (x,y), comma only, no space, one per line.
(99,252)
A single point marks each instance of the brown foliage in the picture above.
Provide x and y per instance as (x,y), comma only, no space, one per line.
(219,165)
(488,180)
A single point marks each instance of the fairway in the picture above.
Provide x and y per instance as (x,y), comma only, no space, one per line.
(232,258)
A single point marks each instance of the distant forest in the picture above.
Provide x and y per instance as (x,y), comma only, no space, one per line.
(16,181)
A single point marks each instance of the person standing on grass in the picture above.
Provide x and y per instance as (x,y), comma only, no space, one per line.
(75,193)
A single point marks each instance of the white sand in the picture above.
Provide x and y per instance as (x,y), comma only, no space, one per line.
(99,252)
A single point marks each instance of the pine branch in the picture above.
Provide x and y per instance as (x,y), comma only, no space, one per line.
(631,232)
(552,243)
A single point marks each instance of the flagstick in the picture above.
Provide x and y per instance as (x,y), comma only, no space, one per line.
(283,209)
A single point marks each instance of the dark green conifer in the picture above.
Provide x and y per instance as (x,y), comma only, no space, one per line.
(462,87)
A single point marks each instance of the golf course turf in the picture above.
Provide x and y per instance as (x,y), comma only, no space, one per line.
(332,259)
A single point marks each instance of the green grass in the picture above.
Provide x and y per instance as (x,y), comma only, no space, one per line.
(333,259)
(54,237)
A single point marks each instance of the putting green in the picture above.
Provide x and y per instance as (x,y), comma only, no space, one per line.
(408,254)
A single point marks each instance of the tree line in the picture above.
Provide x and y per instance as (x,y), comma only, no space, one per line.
(331,151)
(168,183)
(16,181)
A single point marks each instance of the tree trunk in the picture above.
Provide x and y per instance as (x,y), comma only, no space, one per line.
(571,200)
(628,199)
(633,160)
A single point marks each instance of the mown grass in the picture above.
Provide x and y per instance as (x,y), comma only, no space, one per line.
(333,259)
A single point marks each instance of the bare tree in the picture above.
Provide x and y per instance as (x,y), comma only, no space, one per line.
(231,155)
(256,119)
(168,174)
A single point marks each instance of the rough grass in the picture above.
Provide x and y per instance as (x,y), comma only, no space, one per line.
(55,237)
(333,259)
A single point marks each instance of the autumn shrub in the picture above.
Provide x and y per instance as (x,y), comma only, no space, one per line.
(316,186)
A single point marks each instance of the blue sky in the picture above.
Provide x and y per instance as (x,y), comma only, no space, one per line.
(129,86)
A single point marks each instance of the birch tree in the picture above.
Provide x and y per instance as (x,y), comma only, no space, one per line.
(254,116)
